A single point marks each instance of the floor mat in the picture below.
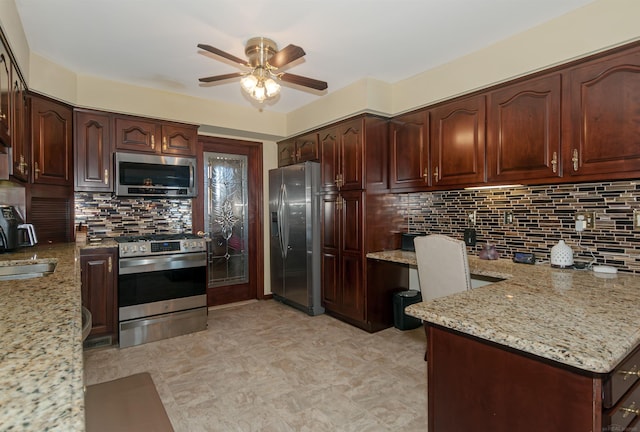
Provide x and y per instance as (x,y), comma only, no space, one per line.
(127,404)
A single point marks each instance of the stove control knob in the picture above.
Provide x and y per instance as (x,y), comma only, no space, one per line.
(143,248)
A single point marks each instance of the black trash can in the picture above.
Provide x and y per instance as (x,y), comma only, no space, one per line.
(401,300)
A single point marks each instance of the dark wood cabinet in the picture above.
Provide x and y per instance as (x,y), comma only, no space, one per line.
(602,140)
(299,149)
(458,142)
(342,156)
(50,210)
(523,131)
(342,260)
(5,96)
(98,275)
(409,151)
(93,161)
(20,153)
(51,142)
(138,134)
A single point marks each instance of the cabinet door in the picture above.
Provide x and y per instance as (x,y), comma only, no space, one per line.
(51,142)
(352,297)
(604,103)
(330,246)
(286,153)
(93,152)
(179,140)
(306,147)
(138,135)
(409,158)
(98,289)
(523,136)
(5,96)
(20,154)
(50,210)
(329,159)
(457,142)
(351,138)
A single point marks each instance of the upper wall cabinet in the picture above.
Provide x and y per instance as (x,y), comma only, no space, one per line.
(19,124)
(151,136)
(603,141)
(523,131)
(299,149)
(458,142)
(5,96)
(93,167)
(51,142)
(409,151)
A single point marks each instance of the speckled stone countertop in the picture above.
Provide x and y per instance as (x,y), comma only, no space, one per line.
(41,369)
(576,317)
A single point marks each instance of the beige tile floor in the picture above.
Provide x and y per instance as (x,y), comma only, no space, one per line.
(264,366)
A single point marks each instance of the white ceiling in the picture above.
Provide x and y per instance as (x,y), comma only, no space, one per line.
(152,43)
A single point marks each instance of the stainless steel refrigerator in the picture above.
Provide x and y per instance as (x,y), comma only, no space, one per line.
(294,209)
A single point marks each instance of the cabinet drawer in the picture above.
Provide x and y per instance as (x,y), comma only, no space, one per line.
(621,379)
(621,416)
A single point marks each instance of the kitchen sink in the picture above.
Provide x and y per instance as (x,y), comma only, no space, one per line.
(26,269)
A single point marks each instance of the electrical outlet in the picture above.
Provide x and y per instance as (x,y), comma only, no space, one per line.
(636,220)
(508,218)
(585,220)
(471,218)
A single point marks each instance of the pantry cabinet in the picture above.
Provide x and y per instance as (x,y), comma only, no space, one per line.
(523,131)
(99,294)
(458,142)
(93,160)
(409,151)
(603,114)
(144,135)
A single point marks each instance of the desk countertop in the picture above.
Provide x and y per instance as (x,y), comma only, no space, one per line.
(575,317)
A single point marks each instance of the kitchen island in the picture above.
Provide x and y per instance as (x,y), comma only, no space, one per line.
(41,365)
(545,349)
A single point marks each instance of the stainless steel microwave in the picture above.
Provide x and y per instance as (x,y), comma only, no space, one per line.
(155,176)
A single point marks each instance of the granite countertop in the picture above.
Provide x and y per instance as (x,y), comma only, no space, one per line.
(579,318)
(41,363)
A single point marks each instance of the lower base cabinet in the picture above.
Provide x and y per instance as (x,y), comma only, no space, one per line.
(99,293)
(478,385)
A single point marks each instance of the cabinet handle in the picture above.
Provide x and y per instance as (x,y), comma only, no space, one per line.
(153,142)
(633,372)
(426,175)
(575,159)
(339,202)
(164,143)
(36,170)
(630,410)
(22,166)
(3,116)
(298,154)
(435,174)
(110,264)
(338,181)
(554,162)
(106,176)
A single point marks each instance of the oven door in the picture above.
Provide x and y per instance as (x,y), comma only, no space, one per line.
(154,285)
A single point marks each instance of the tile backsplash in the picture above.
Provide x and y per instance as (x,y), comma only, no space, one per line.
(542,215)
(106,215)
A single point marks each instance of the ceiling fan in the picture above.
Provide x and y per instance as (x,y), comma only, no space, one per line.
(264,60)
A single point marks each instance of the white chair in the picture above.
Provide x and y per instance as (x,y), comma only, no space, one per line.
(443,268)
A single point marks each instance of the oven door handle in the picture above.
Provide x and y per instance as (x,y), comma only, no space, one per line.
(159,263)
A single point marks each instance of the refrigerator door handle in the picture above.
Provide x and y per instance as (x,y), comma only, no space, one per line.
(279,213)
(285,221)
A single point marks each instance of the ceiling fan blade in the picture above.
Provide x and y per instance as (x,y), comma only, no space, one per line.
(221,53)
(303,81)
(286,55)
(221,77)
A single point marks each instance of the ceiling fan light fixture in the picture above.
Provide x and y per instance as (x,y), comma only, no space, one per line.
(272,87)
(259,93)
(249,82)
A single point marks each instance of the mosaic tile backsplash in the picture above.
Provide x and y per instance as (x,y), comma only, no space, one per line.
(542,215)
(106,215)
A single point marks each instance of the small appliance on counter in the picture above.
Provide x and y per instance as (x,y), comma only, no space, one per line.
(407,240)
(561,255)
(14,233)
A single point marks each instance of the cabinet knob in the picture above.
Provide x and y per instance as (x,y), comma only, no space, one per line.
(575,159)
(554,162)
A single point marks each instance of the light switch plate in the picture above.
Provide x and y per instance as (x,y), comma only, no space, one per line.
(589,218)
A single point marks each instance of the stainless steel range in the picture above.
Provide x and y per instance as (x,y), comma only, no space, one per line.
(161,287)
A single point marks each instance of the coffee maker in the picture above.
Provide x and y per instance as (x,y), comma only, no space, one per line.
(14,233)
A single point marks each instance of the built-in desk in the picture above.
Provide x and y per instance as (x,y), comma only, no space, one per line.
(545,349)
